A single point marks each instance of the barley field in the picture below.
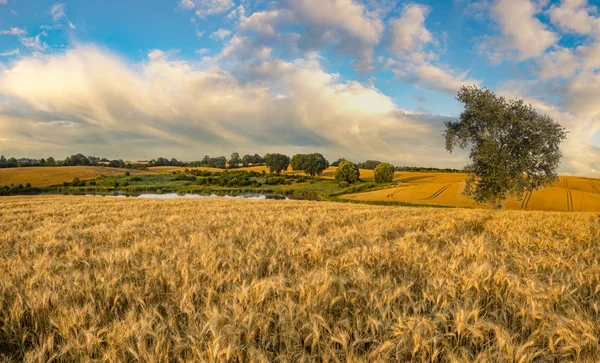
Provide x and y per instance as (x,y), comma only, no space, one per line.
(569,194)
(47,176)
(124,279)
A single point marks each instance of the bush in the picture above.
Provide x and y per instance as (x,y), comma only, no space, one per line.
(343,184)
(347,172)
(384,173)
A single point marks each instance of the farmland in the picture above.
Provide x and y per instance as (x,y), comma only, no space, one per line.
(146,280)
(569,194)
(44,176)
(445,189)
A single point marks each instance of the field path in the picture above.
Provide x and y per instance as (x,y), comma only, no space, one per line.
(525,202)
(439,192)
(569,196)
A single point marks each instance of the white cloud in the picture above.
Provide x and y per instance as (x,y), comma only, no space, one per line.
(34,43)
(440,79)
(220,34)
(575,16)
(409,33)
(559,63)
(57,11)
(106,106)
(13,31)
(186,4)
(206,8)
(409,38)
(305,26)
(522,31)
(10,53)
(355,30)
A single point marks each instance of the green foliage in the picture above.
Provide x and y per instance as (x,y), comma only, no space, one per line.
(184,177)
(347,172)
(514,148)
(343,184)
(77,159)
(235,160)
(75,183)
(384,173)
(369,164)
(311,164)
(277,162)
(246,160)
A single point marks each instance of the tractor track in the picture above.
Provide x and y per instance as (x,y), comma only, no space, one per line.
(439,192)
(525,202)
(594,187)
(569,197)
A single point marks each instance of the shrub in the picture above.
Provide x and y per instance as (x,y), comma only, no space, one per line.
(343,184)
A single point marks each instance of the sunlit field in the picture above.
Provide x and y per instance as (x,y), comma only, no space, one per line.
(107,279)
(170,169)
(568,194)
(47,176)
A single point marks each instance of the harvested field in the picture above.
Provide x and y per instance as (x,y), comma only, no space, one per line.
(445,189)
(47,176)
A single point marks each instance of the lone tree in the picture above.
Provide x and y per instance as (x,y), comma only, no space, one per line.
(277,162)
(347,172)
(384,173)
(514,148)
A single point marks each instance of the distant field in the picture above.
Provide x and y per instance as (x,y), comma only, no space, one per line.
(107,279)
(170,169)
(569,194)
(47,176)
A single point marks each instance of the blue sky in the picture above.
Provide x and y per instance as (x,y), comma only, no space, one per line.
(354,78)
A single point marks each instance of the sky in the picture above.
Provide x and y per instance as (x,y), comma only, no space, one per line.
(359,79)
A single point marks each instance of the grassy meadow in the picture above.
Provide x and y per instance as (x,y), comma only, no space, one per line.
(107,279)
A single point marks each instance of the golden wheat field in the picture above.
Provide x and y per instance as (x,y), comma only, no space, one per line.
(47,176)
(570,193)
(124,279)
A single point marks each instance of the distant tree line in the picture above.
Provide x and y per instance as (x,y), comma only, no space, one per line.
(312,164)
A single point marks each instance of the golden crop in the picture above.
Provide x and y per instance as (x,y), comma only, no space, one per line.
(106,279)
(47,176)
(570,193)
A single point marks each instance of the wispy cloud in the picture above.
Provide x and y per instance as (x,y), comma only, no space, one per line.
(10,53)
(57,11)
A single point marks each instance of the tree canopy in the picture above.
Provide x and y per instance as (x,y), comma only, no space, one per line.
(384,173)
(277,162)
(347,172)
(311,164)
(514,148)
